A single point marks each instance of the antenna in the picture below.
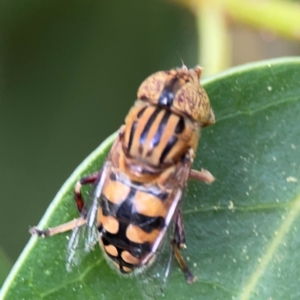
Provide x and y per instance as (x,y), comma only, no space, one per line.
(184,67)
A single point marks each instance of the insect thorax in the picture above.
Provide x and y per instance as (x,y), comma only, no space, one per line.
(157,137)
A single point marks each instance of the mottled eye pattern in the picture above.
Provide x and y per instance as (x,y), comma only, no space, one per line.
(181,91)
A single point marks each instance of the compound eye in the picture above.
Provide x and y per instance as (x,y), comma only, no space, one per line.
(193,101)
(152,87)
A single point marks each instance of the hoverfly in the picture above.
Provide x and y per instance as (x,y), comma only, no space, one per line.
(134,209)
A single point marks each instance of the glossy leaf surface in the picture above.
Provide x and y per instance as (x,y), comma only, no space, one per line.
(243,231)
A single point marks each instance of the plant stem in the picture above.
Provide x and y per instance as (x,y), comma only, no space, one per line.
(214,41)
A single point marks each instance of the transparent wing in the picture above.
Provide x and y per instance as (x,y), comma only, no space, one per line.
(153,279)
(79,246)
(84,237)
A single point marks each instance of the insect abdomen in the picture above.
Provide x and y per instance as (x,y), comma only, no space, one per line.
(131,219)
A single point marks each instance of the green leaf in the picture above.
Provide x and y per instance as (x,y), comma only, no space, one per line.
(243,233)
(5,266)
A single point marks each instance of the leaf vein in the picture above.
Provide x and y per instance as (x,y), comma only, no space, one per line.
(213,284)
(256,207)
(274,245)
(80,278)
(258,109)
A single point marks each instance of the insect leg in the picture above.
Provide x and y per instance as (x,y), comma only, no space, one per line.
(202,175)
(179,236)
(80,206)
(177,244)
(58,229)
(90,179)
(190,278)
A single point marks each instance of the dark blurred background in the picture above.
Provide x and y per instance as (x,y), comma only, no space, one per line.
(69,72)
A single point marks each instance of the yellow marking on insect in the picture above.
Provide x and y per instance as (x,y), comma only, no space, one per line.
(149,205)
(129,258)
(112,250)
(115,191)
(126,269)
(137,235)
(109,223)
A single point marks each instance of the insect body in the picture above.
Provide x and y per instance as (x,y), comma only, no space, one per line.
(135,203)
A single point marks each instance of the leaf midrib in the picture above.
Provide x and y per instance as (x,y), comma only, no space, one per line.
(279,235)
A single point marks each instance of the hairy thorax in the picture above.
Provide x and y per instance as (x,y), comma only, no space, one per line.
(155,137)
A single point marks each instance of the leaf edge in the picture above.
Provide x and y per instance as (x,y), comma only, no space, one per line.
(54,203)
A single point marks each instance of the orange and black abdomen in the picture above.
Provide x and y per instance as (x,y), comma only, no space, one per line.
(156,136)
(130,219)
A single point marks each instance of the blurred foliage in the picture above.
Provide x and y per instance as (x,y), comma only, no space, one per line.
(280,17)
